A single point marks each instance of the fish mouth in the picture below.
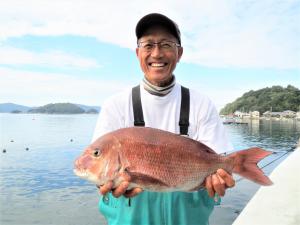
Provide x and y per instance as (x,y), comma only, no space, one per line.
(81,173)
(88,176)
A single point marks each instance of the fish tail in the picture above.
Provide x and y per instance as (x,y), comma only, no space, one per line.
(245,164)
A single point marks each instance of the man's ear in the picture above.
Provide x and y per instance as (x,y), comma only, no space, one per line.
(180,52)
(137,52)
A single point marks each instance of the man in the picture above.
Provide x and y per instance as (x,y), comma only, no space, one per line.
(159,50)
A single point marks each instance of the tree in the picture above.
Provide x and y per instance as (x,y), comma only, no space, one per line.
(277,97)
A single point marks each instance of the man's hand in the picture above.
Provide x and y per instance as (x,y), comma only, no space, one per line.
(120,190)
(218,182)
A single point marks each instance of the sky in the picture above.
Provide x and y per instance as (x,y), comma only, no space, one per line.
(83,51)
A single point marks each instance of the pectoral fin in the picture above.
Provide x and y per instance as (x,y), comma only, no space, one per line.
(145,181)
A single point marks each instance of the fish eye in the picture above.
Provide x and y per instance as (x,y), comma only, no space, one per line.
(96,152)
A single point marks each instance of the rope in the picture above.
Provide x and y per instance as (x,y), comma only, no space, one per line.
(275,159)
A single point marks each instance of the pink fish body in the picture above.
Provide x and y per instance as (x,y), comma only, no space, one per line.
(157,160)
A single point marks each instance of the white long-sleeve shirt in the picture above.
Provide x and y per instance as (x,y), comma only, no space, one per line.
(163,113)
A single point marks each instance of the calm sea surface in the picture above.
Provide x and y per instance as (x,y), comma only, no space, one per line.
(37,184)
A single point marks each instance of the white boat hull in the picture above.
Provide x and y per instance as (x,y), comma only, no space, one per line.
(278,204)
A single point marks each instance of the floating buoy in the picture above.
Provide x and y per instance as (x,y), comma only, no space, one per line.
(11,140)
(27,149)
(237,211)
(71,140)
(4,151)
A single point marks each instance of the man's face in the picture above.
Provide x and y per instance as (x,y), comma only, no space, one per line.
(159,63)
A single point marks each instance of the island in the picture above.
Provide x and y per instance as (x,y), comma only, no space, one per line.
(273,99)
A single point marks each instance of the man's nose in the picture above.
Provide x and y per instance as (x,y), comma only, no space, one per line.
(156,51)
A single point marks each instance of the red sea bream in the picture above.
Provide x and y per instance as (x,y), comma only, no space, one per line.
(157,160)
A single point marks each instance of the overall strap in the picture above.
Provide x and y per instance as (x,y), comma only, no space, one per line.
(184,111)
(137,107)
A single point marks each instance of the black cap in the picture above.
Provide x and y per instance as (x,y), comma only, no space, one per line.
(157,19)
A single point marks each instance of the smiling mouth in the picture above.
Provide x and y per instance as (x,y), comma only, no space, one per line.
(157,65)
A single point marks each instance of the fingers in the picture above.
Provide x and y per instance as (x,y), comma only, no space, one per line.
(209,187)
(133,192)
(227,178)
(218,182)
(121,189)
(214,185)
(218,185)
(105,188)
(117,192)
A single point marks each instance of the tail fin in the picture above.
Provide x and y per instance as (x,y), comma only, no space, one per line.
(245,164)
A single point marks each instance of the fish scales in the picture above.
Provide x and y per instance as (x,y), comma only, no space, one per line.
(158,160)
(171,158)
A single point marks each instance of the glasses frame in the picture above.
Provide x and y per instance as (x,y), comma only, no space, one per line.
(139,45)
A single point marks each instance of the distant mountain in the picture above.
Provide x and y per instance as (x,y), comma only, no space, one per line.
(87,108)
(10,107)
(91,111)
(276,98)
(56,108)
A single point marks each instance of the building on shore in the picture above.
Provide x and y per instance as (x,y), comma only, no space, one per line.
(298,116)
(244,115)
(287,114)
(241,115)
(280,115)
(254,114)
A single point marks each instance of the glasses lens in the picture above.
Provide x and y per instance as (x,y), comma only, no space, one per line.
(163,45)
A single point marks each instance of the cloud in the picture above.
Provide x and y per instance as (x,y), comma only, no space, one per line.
(245,34)
(37,88)
(15,56)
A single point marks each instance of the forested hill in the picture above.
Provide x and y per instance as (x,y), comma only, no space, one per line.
(61,108)
(278,98)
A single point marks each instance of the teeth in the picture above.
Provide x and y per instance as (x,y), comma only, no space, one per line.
(81,173)
(157,64)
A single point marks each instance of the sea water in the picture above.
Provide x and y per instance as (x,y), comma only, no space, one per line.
(38,186)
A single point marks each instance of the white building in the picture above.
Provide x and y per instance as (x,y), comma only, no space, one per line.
(298,117)
(241,114)
(289,113)
(254,114)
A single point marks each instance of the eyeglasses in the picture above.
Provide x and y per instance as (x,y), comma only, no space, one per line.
(148,46)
